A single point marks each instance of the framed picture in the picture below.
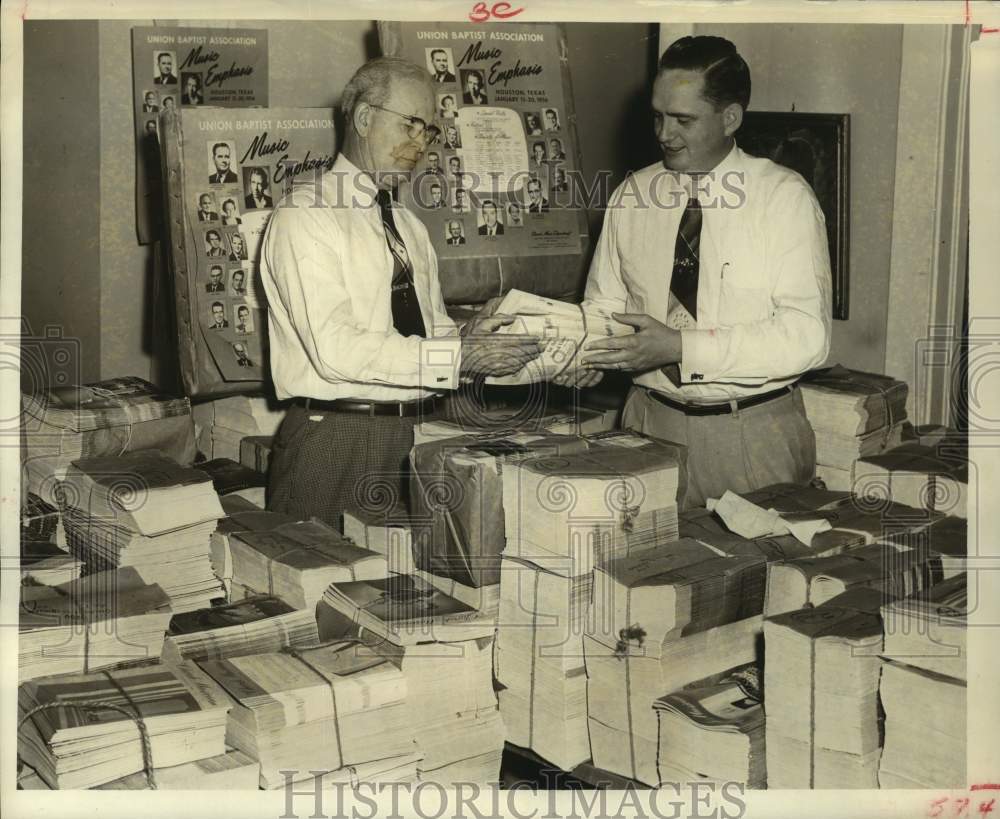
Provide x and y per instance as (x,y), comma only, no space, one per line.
(817,146)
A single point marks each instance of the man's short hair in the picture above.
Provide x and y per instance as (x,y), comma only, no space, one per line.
(214,233)
(438,51)
(371,82)
(489,203)
(163,54)
(727,76)
(218,304)
(218,145)
(259,172)
(213,268)
(243,309)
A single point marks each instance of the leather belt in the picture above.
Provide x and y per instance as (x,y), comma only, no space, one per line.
(723,408)
(398,409)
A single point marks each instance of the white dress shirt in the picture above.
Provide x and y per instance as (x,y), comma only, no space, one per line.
(327,272)
(763,307)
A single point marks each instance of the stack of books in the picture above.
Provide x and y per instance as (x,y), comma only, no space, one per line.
(255,452)
(43,560)
(713,729)
(222,424)
(392,540)
(71,747)
(822,677)
(539,661)
(89,623)
(923,688)
(794,584)
(320,709)
(297,561)
(932,478)
(662,618)
(106,418)
(445,650)
(256,625)
(145,510)
(943,542)
(854,415)
(231,771)
(572,512)
(501,422)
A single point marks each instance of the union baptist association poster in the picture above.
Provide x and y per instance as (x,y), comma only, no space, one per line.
(187,68)
(497,175)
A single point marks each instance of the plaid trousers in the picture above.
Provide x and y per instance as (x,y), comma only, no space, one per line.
(325,463)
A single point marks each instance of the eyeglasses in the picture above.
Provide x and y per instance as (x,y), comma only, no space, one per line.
(417,126)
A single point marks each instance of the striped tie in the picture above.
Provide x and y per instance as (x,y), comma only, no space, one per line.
(684,281)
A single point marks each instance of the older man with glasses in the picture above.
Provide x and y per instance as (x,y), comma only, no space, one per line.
(359,337)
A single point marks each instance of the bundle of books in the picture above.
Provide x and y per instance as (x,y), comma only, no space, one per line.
(794,584)
(90,623)
(713,729)
(567,328)
(457,485)
(230,771)
(822,675)
(445,650)
(932,478)
(943,543)
(76,746)
(43,561)
(854,415)
(540,661)
(662,618)
(222,424)
(256,625)
(572,512)
(318,709)
(500,422)
(297,561)
(145,510)
(228,476)
(392,539)
(923,688)
(241,516)
(255,452)
(106,418)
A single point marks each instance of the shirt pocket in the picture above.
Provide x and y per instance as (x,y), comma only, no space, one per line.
(743,297)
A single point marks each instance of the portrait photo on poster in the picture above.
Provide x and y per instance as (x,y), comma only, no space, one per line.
(473,86)
(222,163)
(488,219)
(452,137)
(216,282)
(243,316)
(242,356)
(169,103)
(150,102)
(238,247)
(460,200)
(514,218)
(214,248)
(164,63)
(238,282)
(217,316)
(551,116)
(447,107)
(532,124)
(191,93)
(207,210)
(257,188)
(454,232)
(440,64)
(230,212)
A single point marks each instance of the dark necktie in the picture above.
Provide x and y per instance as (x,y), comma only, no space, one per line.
(405,307)
(684,281)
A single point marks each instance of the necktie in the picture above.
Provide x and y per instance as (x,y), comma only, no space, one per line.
(405,307)
(684,281)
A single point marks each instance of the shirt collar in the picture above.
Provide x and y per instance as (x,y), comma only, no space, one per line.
(708,186)
(355,186)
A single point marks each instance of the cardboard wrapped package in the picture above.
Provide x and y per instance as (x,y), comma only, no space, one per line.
(457,500)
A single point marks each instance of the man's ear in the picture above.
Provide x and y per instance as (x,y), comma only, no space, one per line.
(362,118)
(732,117)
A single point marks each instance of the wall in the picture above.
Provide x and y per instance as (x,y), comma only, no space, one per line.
(852,69)
(60,273)
(99,283)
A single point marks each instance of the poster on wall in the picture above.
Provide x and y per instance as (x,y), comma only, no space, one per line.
(187,68)
(498,174)
(231,167)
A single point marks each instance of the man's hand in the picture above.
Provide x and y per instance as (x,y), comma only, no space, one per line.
(487,352)
(653,345)
(578,377)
